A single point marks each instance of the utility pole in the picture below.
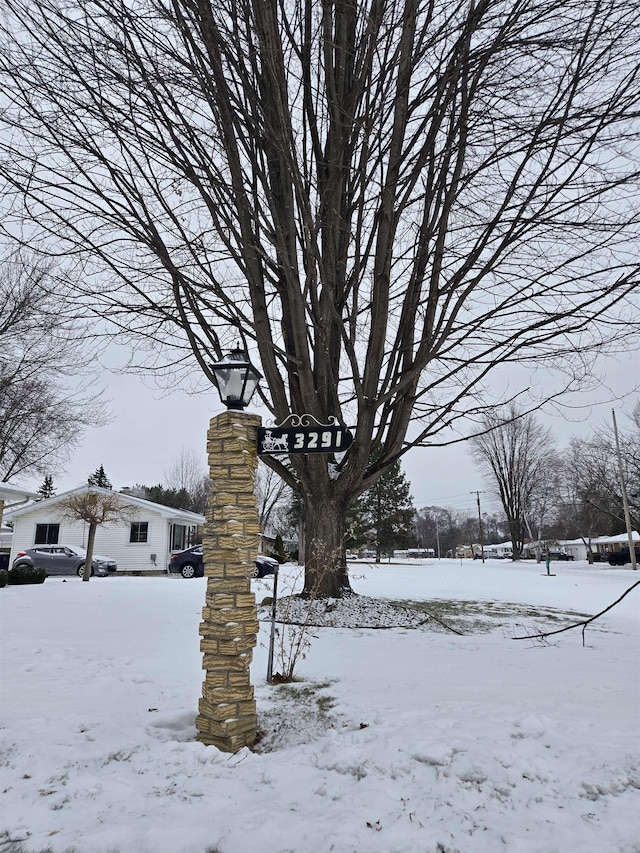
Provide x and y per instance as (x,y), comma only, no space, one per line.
(477,494)
(625,502)
(437,537)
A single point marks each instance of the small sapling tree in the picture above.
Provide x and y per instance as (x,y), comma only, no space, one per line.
(97,508)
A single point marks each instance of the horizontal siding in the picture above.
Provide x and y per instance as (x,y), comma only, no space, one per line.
(112,541)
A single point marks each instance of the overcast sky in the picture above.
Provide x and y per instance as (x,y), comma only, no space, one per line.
(148,430)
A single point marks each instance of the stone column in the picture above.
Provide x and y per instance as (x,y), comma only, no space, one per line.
(229,628)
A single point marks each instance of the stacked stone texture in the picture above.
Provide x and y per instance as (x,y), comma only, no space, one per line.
(229,628)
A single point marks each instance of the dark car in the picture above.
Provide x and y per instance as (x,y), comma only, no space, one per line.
(559,555)
(64,560)
(622,557)
(190,564)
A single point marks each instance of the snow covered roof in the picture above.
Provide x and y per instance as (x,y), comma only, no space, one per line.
(168,512)
(620,538)
(13,493)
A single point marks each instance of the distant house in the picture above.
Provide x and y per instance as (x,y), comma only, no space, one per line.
(501,550)
(413,553)
(143,544)
(605,544)
(575,548)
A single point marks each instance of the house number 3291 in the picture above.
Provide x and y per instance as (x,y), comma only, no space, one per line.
(326,440)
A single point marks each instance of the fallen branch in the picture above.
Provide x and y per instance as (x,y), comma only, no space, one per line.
(442,623)
(583,624)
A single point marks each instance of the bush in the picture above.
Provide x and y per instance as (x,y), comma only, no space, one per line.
(26,574)
(4,578)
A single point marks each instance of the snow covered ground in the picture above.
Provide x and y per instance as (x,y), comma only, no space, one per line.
(398,740)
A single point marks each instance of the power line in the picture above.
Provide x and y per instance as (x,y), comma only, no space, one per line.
(434,501)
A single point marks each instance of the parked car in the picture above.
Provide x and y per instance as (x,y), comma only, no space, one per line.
(623,556)
(190,564)
(559,555)
(64,560)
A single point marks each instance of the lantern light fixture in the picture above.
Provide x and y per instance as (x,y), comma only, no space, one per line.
(236,378)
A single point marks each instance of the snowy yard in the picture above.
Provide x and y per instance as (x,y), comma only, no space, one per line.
(394,741)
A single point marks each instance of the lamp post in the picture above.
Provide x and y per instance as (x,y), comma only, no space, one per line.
(229,628)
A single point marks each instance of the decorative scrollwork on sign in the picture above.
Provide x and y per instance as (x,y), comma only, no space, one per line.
(304,421)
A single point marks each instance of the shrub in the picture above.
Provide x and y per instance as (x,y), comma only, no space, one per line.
(4,577)
(26,574)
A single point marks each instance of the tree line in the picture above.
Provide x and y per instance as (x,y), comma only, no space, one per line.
(543,491)
(537,491)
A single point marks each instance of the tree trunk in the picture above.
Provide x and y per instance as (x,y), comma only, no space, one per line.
(516,534)
(90,540)
(325,558)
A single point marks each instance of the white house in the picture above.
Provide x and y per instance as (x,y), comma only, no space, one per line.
(17,496)
(144,543)
(575,548)
(501,550)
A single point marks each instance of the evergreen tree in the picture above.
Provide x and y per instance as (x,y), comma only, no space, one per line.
(46,490)
(176,498)
(278,550)
(99,478)
(385,513)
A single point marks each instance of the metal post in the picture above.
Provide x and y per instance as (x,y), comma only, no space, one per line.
(625,502)
(273,625)
(480,530)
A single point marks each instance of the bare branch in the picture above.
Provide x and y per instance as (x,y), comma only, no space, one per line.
(583,624)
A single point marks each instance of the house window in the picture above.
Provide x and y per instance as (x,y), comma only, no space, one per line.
(178,537)
(47,534)
(139,531)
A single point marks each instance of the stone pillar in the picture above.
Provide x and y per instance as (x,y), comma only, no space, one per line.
(229,628)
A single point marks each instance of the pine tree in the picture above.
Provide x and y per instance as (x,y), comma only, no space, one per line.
(99,478)
(385,512)
(278,549)
(46,490)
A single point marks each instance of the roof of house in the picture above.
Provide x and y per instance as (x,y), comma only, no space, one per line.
(620,538)
(168,512)
(13,493)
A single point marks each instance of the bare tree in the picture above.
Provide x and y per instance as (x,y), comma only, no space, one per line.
(186,471)
(598,496)
(516,452)
(43,408)
(187,474)
(272,495)
(389,199)
(96,507)
(543,502)
(578,513)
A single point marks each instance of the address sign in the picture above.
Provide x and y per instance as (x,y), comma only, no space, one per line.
(304,437)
